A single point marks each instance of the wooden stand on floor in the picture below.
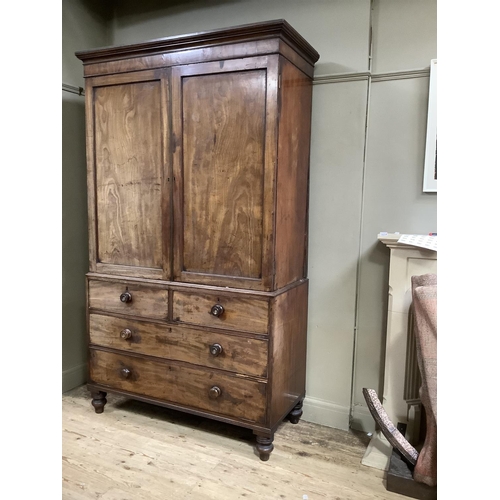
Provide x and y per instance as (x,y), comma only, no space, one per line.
(400,477)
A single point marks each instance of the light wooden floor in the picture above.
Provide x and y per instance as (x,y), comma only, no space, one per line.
(136,451)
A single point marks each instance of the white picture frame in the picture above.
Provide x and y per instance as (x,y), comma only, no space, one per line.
(430,161)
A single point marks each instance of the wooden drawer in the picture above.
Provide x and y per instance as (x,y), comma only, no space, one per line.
(196,388)
(146,301)
(240,312)
(183,343)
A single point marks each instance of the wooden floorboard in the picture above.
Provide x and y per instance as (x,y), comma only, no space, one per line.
(136,451)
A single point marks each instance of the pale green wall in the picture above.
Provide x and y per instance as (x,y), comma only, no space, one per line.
(85,25)
(404,38)
(404,34)
(351,199)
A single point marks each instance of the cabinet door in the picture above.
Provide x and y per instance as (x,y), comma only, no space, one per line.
(129,201)
(224,155)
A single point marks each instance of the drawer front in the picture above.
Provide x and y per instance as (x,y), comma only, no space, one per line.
(239,312)
(147,301)
(199,389)
(183,343)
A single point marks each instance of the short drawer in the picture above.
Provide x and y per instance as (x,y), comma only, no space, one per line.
(132,299)
(232,312)
(182,343)
(195,388)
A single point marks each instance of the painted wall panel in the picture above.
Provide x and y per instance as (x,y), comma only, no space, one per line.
(404,34)
(393,201)
(84,25)
(334,214)
(75,239)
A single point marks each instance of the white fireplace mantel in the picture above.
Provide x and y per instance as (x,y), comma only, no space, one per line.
(405,261)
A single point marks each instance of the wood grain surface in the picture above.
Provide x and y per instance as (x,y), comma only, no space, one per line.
(198,152)
(239,354)
(128,173)
(140,451)
(293,175)
(289,344)
(247,314)
(241,398)
(147,301)
(193,56)
(240,221)
(223,144)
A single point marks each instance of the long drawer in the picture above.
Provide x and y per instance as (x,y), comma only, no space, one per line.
(183,343)
(132,299)
(195,388)
(216,310)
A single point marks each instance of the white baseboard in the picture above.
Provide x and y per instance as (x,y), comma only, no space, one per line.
(323,412)
(74,377)
(362,419)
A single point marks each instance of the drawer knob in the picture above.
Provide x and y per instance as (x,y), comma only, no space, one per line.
(126,297)
(126,334)
(215,349)
(125,372)
(214,392)
(217,310)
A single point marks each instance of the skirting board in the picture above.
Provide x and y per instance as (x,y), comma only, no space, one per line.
(74,377)
(325,413)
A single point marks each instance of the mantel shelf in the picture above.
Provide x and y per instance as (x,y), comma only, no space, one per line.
(391,241)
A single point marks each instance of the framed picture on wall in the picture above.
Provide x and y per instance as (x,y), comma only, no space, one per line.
(430,162)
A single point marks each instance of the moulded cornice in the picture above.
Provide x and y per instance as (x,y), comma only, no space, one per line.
(245,33)
(391,240)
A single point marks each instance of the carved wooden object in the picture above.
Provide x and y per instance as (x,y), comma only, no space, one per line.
(198,165)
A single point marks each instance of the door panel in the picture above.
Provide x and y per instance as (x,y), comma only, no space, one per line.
(223,141)
(222,218)
(129,155)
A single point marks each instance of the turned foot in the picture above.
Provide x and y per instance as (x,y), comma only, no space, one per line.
(98,401)
(264,447)
(296,413)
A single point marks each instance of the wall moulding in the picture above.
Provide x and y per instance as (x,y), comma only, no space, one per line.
(375,77)
(73,89)
(401,75)
(341,77)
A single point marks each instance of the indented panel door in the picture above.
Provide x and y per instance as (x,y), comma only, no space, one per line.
(128,177)
(224,125)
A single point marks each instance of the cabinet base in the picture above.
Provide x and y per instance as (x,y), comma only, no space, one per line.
(264,436)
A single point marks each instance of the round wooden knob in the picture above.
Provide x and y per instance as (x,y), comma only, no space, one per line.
(126,297)
(125,372)
(217,310)
(215,349)
(126,334)
(214,392)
